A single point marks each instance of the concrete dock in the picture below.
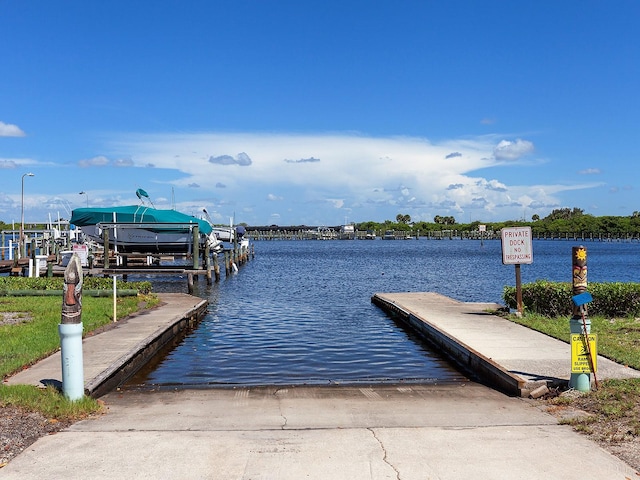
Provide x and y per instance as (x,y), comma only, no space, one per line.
(503,354)
(114,355)
(404,431)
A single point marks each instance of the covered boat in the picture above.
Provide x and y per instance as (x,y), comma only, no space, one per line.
(143,229)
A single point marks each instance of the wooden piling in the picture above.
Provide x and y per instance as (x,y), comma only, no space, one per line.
(207,262)
(216,267)
(105,242)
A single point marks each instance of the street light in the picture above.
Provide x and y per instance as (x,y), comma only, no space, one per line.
(85,193)
(21,249)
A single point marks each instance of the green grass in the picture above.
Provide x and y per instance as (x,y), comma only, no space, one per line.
(35,336)
(615,405)
(48,401)
(618,338)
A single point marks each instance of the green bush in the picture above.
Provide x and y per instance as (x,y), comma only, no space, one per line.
(553,299)
(56,283)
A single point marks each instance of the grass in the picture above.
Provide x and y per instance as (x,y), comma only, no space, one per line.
(48,401)
(614,407)
(33,335)
(618,338)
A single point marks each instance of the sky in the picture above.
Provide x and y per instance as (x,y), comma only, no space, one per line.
(320,112)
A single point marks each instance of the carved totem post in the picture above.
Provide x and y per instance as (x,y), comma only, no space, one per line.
(70,330)
(579,323)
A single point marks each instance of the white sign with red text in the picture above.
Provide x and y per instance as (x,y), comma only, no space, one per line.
(516,245)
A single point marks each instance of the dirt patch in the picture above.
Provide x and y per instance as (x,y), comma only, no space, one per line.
(20,429)
(12,318)
(618,434)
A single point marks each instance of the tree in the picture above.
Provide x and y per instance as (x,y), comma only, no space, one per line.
(564,214)
(406,219)
(444,220)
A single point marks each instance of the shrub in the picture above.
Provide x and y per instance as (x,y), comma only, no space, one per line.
(553,299)
(56,283)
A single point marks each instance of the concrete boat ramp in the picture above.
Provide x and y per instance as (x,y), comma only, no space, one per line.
(402,431)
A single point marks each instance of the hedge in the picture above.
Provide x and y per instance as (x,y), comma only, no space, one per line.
(57,283)
(553,299)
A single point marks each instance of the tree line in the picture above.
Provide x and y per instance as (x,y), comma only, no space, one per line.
(559,221)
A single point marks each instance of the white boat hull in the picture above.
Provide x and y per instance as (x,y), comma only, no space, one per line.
(130,239)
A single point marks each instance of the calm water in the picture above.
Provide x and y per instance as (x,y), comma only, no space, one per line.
(300,311)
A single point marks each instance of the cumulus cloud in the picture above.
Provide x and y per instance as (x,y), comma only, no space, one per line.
(241,159)
(590,171)
(273,198)
(506,150)
(9,130)
(494,185)
(371,176)
(123,162)
(7,164)
(99,161)
(303,160)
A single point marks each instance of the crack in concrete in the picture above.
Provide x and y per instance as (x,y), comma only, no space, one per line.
(284,418)
(384,451)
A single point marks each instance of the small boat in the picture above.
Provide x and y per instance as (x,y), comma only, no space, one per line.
(228,234)
(143,229)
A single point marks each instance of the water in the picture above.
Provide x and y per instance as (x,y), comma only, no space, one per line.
(301,312)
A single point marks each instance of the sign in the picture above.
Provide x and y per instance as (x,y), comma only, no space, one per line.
(580,353)
(516,245)
(83,252)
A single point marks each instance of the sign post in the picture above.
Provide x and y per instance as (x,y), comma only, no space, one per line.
(517,249)
(580,326)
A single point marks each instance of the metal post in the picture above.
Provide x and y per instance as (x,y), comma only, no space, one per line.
(519,289)
(21,252)
(70,330)
(578,324)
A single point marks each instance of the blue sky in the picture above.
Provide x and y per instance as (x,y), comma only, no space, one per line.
(320,112)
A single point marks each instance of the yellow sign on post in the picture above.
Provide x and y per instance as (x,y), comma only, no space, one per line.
(580,353)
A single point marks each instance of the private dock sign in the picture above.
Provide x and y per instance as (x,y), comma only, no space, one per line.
(516,245)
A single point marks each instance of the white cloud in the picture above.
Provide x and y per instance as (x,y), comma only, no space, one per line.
(9,130)
(369,175)
(590,171)
(7,164)
(99,161)
(506,150)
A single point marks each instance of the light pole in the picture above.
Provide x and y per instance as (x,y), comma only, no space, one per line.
(85,193)
(21,252)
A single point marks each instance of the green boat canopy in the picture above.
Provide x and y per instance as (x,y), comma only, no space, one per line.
(81,217)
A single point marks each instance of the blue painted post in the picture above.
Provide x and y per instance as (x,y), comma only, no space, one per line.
(70,330)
